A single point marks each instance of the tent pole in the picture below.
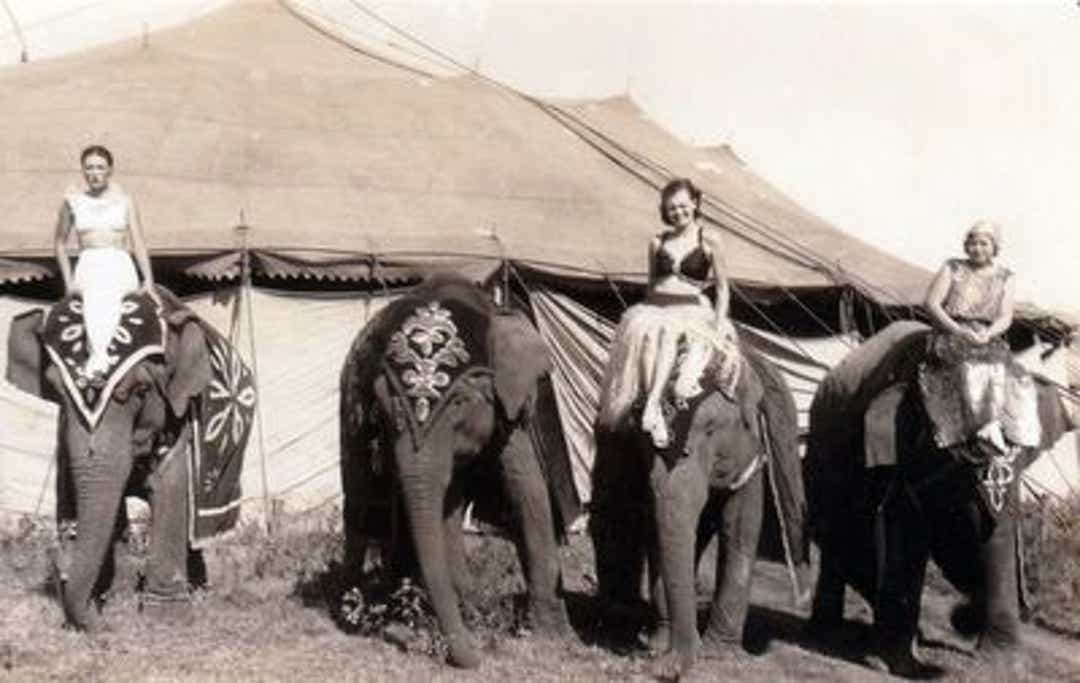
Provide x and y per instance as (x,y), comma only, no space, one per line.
(246,298)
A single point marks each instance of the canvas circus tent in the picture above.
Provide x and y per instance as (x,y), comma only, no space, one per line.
(355,176)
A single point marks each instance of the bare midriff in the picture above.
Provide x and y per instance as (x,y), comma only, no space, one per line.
(96,239)
(674,286)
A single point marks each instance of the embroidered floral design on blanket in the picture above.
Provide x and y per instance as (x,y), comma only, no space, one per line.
(139,334)
(426,346)
(230,401)
(222,426)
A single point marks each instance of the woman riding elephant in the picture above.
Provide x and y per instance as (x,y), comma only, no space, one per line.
(885,497)
(168,422)
(970,386)
(106,220)
(717,426)
(442,394)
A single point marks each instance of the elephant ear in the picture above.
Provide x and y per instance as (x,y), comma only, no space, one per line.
(519,359)
(189,363)
(26,356)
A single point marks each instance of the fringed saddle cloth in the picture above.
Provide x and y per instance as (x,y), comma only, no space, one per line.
(141,333)
(964,387)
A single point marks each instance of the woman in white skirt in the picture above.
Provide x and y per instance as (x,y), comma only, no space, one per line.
(106,223)
(678,329)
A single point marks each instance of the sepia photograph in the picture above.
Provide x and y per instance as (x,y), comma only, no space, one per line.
(539,340)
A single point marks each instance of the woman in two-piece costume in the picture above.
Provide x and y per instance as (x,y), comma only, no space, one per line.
(678,329)
(106,223)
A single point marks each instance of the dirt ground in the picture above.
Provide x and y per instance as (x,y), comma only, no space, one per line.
(268,615)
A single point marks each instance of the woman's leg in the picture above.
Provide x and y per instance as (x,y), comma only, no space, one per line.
(660,355)
(101,314)
(103,277)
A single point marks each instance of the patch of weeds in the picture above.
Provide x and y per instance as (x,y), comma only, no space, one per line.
(30,547)
(401,615)
(1051,534)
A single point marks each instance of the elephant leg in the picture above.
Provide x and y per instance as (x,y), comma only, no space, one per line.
(99,480)
(827,612)
(537,548)
(356,539)
(455,540)
(680,496)
(167,556)
(66,514)
(660,638)
(996,598)
(740,530)
(620,523)
(900,584)
(425,476)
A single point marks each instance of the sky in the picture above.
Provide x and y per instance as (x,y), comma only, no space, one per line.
(901,123)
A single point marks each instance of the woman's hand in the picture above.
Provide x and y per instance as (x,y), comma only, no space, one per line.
(974,336)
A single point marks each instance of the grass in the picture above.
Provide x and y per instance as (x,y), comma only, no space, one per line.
(1051,532)
(274,612)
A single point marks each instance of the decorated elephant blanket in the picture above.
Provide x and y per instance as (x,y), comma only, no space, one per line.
(437,342)
(140,333)
(424,345)
(221,418)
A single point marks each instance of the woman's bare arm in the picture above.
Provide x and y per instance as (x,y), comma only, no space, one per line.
(935,297)
(654,246)
(715,244)
(64,222)
(138,248)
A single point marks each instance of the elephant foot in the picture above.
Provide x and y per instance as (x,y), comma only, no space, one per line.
(549,619)
(1002,662)
(173,609)
(673,665)
(994,641)
(463,653)
(659,640)
(718,646)
(903,662)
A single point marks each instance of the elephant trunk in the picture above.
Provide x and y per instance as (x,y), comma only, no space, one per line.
(680,498)
(424,505)
(99,477)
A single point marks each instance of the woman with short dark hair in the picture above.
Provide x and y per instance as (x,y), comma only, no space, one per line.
(106,223)
(678,329)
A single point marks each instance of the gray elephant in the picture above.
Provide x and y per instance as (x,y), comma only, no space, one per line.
(730,455)
(168,422)
(446,399)
(883,499)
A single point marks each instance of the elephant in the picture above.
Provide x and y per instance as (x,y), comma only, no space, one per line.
(169,426)
(884,499)
(446,399)
(734,460)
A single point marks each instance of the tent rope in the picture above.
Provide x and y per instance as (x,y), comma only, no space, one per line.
(612,285)
(775,328)
(564,117)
